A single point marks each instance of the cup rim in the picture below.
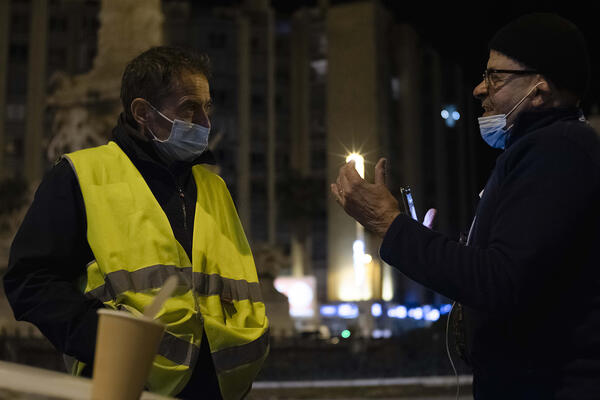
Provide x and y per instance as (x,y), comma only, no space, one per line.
(127,315)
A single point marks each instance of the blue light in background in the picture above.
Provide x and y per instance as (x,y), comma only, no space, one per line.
(432,315)
(397,312)
(351,310)
(450,115)
(376,310)
(347,310)
(445,309)
(416,313)
(328,310)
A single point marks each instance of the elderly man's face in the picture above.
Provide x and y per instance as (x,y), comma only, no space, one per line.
(503,91)
(189,101)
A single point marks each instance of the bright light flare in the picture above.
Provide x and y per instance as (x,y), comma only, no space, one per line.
(359,163)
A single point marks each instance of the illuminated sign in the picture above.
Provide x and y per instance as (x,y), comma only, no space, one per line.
(300,293)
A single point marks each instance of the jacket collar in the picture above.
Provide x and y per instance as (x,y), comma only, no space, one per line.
(529,121)
(140,148)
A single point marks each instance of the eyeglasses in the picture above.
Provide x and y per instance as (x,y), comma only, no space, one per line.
(492,81)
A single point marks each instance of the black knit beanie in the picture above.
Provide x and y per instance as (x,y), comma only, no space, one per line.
(551,45)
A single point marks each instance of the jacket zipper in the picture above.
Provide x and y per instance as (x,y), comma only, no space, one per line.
(194,295)
(182,197)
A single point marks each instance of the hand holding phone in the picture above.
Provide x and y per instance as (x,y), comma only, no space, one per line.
(409,205)
(410,209)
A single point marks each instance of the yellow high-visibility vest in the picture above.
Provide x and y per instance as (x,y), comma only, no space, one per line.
(135,252)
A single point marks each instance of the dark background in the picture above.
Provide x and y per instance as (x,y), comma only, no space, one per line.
(460,33)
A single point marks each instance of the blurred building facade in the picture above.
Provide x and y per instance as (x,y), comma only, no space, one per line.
(38,38)
(293,95)
(384,91)
(251,114)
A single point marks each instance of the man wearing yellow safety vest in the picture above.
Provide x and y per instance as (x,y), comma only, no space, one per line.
(110,224)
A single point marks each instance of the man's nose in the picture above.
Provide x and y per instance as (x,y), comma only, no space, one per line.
(203,120)
(480,92)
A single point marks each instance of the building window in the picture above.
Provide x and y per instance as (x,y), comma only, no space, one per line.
(257,100)
(395,87)
(15,112)
(217,40)
(258,161)
(57,58)
(85,57)
(220,97)
(19,23)
(254,43)
(58,24)
(18,53)
(15,147)
(90,24)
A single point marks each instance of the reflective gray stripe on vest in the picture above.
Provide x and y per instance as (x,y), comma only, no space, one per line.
(236,356)
(153,277)
(229,289)
(178,350)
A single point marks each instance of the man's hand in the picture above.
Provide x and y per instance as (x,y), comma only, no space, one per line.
(371,204)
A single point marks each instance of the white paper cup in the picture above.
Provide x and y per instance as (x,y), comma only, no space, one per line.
(125,348)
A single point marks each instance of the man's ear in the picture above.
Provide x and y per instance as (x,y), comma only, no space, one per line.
(542,94)
(141,111)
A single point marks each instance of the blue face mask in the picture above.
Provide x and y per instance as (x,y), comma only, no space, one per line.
(186,141)
(492,127)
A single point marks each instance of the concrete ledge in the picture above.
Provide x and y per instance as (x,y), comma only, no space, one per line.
(388,388)
(404,381)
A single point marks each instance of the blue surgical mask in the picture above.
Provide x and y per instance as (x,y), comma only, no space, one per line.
(186,141)
(493,127)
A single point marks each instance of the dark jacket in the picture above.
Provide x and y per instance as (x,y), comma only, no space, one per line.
(529,280)
(50,252)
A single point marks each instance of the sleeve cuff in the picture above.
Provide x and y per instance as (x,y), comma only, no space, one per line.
(389,239)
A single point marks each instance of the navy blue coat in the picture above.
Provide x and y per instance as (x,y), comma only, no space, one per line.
(529,280)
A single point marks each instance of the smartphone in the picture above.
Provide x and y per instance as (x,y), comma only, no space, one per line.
(409,204)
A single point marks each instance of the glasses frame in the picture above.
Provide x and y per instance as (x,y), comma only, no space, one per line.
(488,71)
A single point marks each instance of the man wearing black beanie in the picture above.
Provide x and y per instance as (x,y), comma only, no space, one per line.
(528,280)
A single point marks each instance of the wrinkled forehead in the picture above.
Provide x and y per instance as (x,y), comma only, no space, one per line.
(190,84)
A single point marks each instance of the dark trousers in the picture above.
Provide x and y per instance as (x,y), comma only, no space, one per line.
(203,384)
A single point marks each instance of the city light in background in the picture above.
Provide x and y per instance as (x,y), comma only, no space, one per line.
(300,292)
(360,259)
(377,310)
(450,115)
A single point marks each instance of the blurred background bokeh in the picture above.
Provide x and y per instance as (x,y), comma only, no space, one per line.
(297,87)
